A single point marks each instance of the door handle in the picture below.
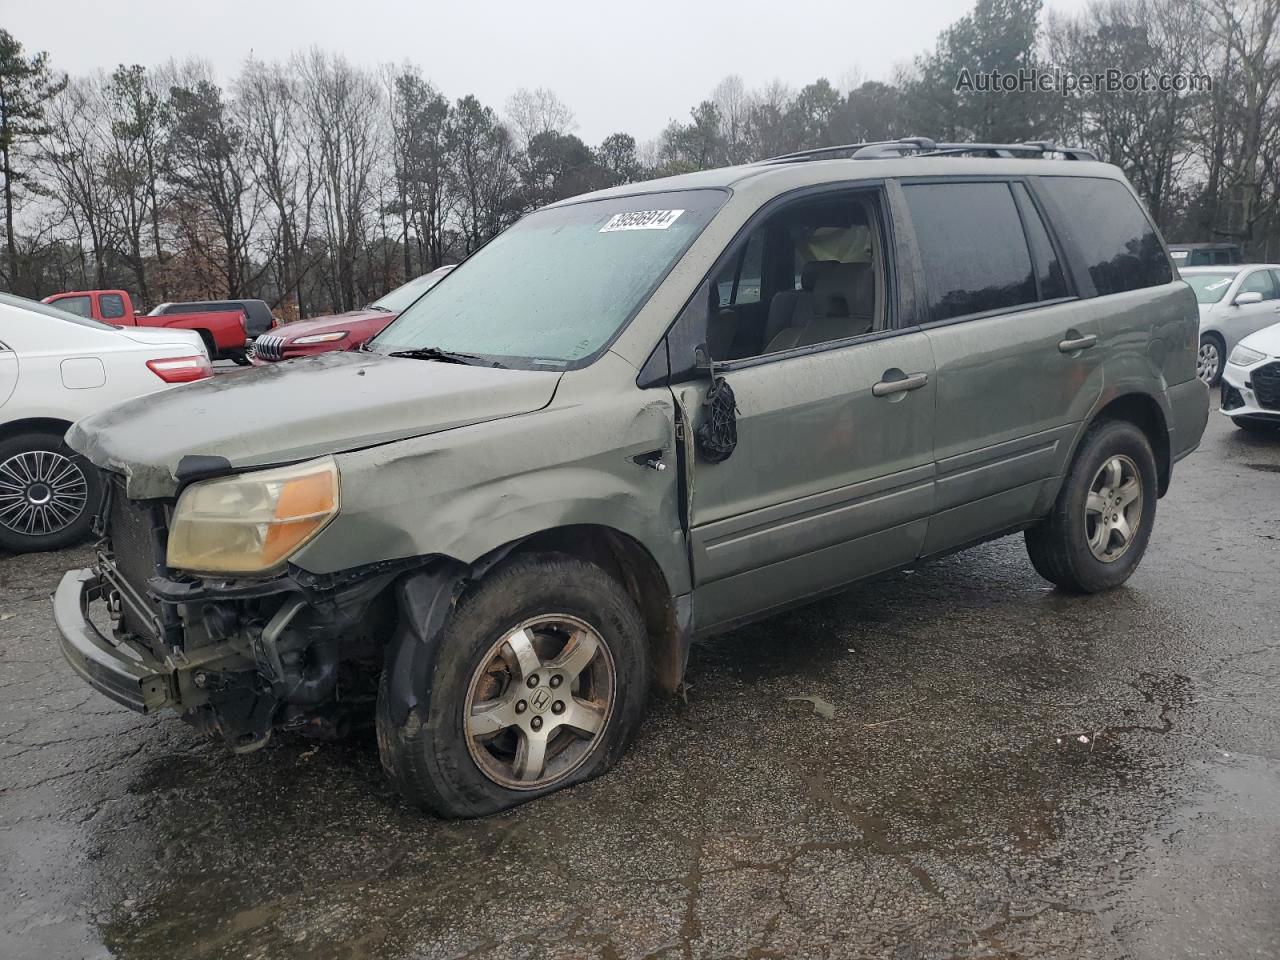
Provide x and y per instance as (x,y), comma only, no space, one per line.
(886,388)
(1077,343)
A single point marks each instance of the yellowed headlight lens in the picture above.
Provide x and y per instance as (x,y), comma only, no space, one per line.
(253,522)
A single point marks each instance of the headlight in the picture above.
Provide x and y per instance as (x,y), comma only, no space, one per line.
(1242,356)
(320,338)
(252,522)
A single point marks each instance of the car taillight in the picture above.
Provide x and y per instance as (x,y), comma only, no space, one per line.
(181,369)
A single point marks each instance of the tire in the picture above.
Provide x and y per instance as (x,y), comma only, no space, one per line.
(48,493)
(443,764)
(1211,358)
(241,359)
(1061,547)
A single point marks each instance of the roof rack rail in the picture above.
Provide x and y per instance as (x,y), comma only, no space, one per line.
(925,147)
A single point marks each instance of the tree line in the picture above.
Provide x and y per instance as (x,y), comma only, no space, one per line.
(318,185)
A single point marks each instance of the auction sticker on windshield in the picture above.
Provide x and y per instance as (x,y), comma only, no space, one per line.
(641,220)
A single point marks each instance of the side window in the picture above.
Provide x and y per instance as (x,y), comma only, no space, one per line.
(1108,227)
(1050,283)
(1259,281)
(812,273)
(1223,256)
(80,306)
(111,305)
(972,247)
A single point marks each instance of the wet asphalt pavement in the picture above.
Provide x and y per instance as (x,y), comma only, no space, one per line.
(951,807)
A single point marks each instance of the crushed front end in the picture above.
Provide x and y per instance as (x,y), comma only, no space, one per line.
(235,656)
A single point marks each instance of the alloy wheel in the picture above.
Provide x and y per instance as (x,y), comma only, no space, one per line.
(1113,508)
(1208,361)
(539,702)
(42,492)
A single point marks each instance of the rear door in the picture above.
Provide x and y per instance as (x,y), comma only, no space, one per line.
(1018,364)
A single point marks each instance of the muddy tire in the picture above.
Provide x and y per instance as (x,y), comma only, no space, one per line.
(48,493)
(1098,529)
(540,682)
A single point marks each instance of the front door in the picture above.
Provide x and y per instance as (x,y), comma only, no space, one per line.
(832,476)
(1242,319)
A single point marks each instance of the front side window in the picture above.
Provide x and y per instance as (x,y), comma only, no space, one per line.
(1259,281)
(812,273)
(80,306)
(972,247)
(1109,229)
(559,285)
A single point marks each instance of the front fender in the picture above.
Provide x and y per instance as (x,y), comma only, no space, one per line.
(463,493)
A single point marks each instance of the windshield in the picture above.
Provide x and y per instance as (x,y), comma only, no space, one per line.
(556,287)
(402,296)
(51,310)
(1209,287)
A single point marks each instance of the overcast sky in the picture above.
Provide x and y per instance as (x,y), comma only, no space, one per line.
(629,66)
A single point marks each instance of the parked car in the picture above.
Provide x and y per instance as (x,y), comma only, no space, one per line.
(601,439)
(342,331)
(55,368)
(258,316)
(1234,302)
(1205,254)
(1251,381)
(225,332)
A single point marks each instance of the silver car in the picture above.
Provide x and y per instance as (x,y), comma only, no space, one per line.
(1234,302)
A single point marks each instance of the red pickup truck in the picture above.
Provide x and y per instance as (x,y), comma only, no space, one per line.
(226,332)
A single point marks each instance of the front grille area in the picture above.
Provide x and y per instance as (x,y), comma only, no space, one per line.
(269,347)
(134,533)
(1266,385)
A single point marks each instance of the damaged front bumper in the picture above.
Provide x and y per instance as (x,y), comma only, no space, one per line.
(140,682)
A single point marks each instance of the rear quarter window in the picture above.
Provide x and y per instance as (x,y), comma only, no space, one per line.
(1110,232)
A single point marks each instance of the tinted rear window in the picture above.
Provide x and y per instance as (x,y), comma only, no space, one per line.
(1110,231)
(971,243)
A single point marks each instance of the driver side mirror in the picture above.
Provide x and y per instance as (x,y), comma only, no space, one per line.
(1243,299)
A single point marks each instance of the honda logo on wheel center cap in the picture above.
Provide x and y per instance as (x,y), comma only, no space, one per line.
(539,700)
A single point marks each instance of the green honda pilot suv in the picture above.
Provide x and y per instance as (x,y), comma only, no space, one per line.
(637,417)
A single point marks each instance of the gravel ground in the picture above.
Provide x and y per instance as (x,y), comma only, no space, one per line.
(1009,772)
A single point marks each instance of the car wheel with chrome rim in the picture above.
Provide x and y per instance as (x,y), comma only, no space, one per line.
(540,682)
(1209,359)
(48,493)
(1098,528)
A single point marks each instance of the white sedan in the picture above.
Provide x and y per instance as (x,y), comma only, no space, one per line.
(1251,381)
(54,369)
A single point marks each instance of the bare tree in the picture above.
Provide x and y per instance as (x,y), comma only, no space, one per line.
(531,112)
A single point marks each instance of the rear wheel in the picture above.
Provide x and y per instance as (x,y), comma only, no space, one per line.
(1097,531)
(540,682)
(1209,359)
(210,347)
(48,493)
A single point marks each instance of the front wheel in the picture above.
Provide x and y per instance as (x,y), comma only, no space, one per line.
(540,682)
(1209,359)
(1097,531)
(48,493)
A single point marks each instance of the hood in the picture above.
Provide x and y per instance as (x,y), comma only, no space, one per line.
(336,321)
(295,410)
(1266,340)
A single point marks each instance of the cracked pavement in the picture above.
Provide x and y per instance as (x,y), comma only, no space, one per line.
(1009,772)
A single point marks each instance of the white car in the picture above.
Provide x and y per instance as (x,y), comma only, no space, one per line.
(54,369)
(1251,381)
(1235,301)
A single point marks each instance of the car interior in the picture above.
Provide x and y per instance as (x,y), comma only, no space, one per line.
(812,273)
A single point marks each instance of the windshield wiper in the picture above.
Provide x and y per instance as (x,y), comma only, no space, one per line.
(435,353)
(379,307)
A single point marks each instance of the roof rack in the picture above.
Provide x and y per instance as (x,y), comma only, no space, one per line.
(925,147)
